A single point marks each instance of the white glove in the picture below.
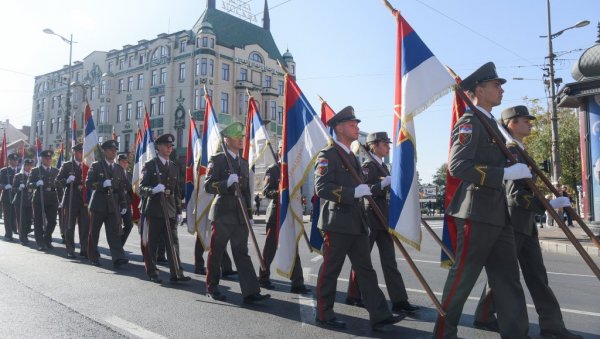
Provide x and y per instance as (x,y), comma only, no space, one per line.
(386,181)
(60,205)
(158,188)
(362,190)
(70,179)
(232,178)
(560,202)
(39,183)
(21,187)
(517,171)
(7,187)
(179,219)
(107,183)
(251,222)
(123,211)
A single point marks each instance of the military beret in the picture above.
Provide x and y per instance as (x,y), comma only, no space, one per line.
(165,139)
(108,144)
(47,153)
(77,147)
(516,111)
(346,114)
(378,136)
(28,161)
(233,130)
(487,72)
(123,156)
(13,156)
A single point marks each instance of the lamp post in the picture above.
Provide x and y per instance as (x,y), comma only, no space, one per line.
(556,166)
(68,99)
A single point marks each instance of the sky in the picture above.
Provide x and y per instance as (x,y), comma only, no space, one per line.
(344,50)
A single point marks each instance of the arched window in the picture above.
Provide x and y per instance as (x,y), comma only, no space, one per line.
(256,57)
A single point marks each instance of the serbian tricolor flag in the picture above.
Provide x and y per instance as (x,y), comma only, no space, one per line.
(304,135)
(449,230)
(90,142)
(146,153)
(135,200)
(38,150)
(192,185)
(61,156)
(316,238)
(3,155)
(73,135)
(420,80)
(256,140)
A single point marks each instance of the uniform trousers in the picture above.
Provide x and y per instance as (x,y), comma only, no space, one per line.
(226,264)
(127,226)
(112,222)
(43,235)
(391,275)
(481,245)
(10,220)
(530,258)
(336,247)
(81,217)
(157,230)
(25,213)
(237,235)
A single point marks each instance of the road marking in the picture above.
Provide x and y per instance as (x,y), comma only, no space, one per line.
(476,299)
(306,303)
(317,258)
(132,328)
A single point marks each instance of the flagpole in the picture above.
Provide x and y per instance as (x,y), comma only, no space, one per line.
(72,173)
(512,160)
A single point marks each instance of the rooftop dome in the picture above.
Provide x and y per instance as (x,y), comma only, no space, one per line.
(206,28)
(588,65)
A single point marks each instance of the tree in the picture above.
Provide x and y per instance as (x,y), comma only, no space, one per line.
(439,180)
(539,143)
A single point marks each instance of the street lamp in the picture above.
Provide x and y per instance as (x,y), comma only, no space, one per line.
(556,168)
(68,99)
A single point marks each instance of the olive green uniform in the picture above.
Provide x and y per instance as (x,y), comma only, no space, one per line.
(22,203)
(43,236)
(77,207)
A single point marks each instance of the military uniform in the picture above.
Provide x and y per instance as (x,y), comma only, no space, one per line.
(344,223)
(271,191)
(43,236)
(373,174)
(22,204)
(128,216)
(485,237)
(105,206)
(167,175)
(7,175)
(75,205)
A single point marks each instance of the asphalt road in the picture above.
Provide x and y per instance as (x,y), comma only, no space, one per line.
(45,295)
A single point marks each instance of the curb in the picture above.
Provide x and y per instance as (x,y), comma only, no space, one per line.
(569,249)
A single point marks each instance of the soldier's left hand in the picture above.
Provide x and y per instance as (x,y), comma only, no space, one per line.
(386,181)
(179,219)
(123,211)
(21,187)
(7,187)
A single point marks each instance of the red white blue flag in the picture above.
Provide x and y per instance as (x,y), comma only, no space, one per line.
(61,156)
(420,80)
(192,184)
(256,140)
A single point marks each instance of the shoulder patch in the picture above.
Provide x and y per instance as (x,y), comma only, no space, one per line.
(365,170)
(322,166)
(465,131)
(209,168)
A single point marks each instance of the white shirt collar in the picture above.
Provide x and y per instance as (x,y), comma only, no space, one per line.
(487,114)
(77,163)
(109,163)
(233,155)
(163,160)
(377,158)
(343,146)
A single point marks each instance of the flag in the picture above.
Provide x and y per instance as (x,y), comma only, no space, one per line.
(3,155)
(304,135)
(114,135)
(420,80)
(38,150)
(61,156)
(192,184)
(90,142)
(211,138)
(256,140)
(146,153)
(73,135)
(135,200)
(316,238)
(449,230)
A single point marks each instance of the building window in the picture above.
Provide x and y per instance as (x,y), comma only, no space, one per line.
(268,81)
(164,52)
(142,58)
(121,63)
(280,115)
(224,102)
(129,84)
(212,42)
(163,75)
(256,57)
(243,74)
(197,98)
(103,88)
(182,44)
(43,104)
(152,106)
(77,76)
(280,86)
(93,93)
(141,81)
(182,72)
(103,118)
(119,113)
(203,65)
(53,102)
(197,67)
(127,142)
(58,124)
(273,110)
(110,66)
(225,72)
(204,41)
(211,67)
(130,63)
(128,112)
(243,104)
(121,85)
(139,106)
(161,105)
(52,125)
(153,78)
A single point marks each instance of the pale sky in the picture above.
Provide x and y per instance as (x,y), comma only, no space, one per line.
(344,50)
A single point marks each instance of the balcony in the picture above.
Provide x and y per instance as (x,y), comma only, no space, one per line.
(157,90)
(270,91)
(241,84)
(105,128)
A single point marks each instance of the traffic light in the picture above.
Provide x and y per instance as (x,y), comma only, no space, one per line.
(545,165)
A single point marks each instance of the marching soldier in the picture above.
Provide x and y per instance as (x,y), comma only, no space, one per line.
(199,267)
(161,176)
(271,191)
(128,216)
(522,208)
(22,201)
(107,204)
(485,237)
(344,223)
(45,200)
(7,175)
(70,178)
(228,223)
(379,179)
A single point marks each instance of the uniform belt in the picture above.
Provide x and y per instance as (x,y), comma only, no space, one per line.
(50,189)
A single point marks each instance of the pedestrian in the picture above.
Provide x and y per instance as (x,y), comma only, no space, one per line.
(485,238)
(257,200)
(22,201)
(106,205)
(522,208)
(45,200)
(227,216)
(70,178)
(344,223)
(7,176)
(377,176)
(159,189)
(566,194)
(123,160)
